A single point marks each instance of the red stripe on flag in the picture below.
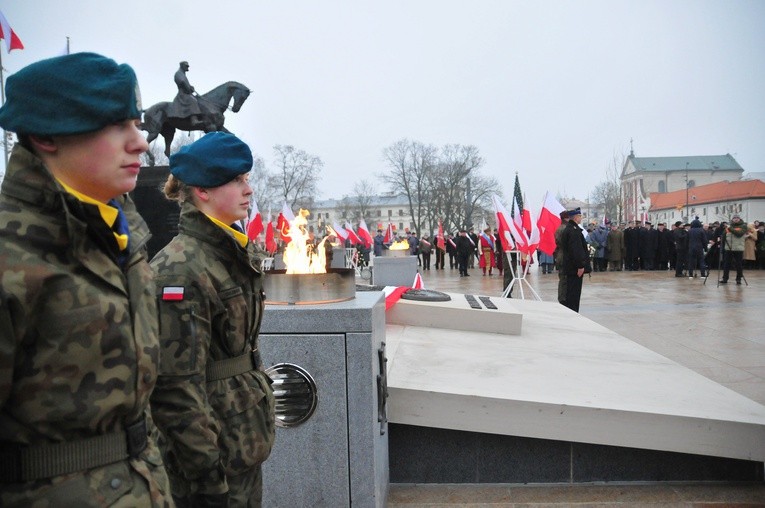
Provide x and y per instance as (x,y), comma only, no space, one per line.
(395,296)
(172,293)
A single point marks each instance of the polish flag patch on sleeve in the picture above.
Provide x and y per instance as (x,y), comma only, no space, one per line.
(172,293)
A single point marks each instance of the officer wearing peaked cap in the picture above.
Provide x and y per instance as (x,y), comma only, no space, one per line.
(575,258)
(78,327)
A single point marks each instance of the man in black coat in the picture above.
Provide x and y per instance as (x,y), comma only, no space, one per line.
(680,238)
(575,258)
(664,242)
(464,252)
(632,246)
(649,242)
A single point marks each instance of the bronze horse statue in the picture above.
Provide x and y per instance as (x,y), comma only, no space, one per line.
(156,120)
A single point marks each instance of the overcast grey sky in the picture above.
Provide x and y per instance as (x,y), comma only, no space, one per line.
(550,89)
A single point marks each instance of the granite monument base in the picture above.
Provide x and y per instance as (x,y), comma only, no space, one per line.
(394,271)
(339,456)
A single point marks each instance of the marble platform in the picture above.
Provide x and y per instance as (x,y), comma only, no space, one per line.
(564,377)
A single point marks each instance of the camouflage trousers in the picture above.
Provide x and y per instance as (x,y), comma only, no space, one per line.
(245,491)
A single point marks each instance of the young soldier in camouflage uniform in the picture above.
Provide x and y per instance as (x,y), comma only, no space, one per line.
(78,316)
(213,403)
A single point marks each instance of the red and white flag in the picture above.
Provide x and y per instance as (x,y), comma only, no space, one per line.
(172,293)
(548,222)
(526,220)
(390,236)
(12,40)
(503,224)
(283,223)
(440,240)
(519,234)
(270,241)
(510,229)
(255,222)
(418,284)
(352,236)
(340,232)
(364,234)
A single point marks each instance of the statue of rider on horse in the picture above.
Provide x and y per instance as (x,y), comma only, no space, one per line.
(190,111)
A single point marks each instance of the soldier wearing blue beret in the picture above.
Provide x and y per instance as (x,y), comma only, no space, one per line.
(78,329)
(213,402)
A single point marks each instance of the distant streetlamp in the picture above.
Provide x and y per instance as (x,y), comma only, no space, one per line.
(687,216)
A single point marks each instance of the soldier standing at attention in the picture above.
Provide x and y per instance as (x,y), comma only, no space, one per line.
(78,317)
(575,258)
(213,403)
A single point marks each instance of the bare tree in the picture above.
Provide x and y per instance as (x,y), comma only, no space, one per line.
(362,198)
(295,175)
(345,208)
(258,180)
(158,149)
(608,192)
(410,161)
(447,185)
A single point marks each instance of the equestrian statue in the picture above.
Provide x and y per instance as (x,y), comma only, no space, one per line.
(190,111)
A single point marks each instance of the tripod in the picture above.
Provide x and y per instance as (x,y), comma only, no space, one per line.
(719,262)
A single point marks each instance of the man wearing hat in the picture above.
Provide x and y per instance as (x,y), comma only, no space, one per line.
(649,243)
(464,252)
(379,243)
(575,258)
(733,240)
(615,247)
(680,239)
(78,322)
(558,257)
(213,402)
(663,242)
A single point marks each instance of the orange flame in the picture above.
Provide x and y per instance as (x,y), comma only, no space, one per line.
(402,245)
(300,256)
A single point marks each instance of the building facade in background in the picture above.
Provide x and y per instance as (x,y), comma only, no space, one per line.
(643,177)
(378,212)
(712,202)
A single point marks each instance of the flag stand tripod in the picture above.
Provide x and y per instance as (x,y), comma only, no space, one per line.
(519,278)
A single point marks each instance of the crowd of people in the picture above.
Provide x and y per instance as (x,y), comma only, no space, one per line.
(689,249)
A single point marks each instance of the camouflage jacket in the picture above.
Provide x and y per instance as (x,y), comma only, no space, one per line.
(78,340)
(210,305)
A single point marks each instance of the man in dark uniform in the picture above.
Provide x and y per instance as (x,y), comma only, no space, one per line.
(474,244)
(664,240)
(558,258)
(680,238)
(649,242)
(575,258)
(451,249)
(464,252)
(632,246)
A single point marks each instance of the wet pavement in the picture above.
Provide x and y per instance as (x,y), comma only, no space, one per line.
(716,330)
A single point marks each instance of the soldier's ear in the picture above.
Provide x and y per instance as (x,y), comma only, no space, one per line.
(43,144)
(201,194)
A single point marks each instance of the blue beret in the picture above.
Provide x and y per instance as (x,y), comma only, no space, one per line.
(70,94)
(212,160)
